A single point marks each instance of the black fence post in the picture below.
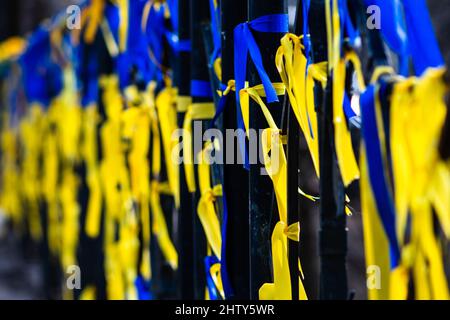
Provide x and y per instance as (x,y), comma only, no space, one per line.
(199,12)
(333,233)
(235,176)
(186,214)
(261,193)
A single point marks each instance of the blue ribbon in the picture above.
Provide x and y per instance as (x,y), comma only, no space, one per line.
(184,46)
(143,288)
(306,37)
(42,77)
(136,55)
(244,44)
(112,17)
(215,28)
(201,89)
(173,8)
(406,27)
(422,40)
(220,106)
(393,30)
(348,111)
(377,173)
(350,31)
(212,289)
(228,290)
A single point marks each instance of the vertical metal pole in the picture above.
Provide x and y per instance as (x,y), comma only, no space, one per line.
(293,160)
(186,214)
(261,187)
(333,233)
(199,71)
(235,176)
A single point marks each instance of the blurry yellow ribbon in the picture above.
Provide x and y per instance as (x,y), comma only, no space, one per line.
(95,13)
(196,111)
(31,129)
(89,152)
(167,115)
(206,206)
(50,174)
(159,225)
(11,191)
(183,103)
(376,245)
(421,180)
(11,48)
(123,25)
(344,148)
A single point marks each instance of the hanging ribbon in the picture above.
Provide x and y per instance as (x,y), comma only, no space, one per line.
(342,137)
(291,65)
(244,44)
(377,170)
(165,105)
(276,167)
(206,205)
(196,111)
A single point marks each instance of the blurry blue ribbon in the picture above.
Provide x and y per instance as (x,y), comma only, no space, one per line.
(422,40)
(350,31)
(42,77)
(135,58)
(201,89)
(143,288)
(406,27)
(377,172)
(173,8)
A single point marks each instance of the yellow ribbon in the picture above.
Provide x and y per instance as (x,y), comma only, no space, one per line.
(196,111)
(11,48)
(159,226)
(291,64)
(89,153)
(420,181)
(31,130)
(95,13)
(217,278)
(344,148)
(376,245)
(280,289)
(183,103)
(120,254)
(165,105)
(276,166)
(123,26)
(206,206)
(50,177)
(11,191)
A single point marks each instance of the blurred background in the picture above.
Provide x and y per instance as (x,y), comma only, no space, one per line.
(19,269)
